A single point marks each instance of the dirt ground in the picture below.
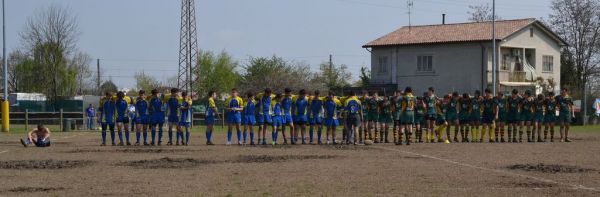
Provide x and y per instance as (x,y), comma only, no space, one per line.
(76,166)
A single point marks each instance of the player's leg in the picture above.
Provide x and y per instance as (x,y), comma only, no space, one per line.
(104,127)
(120,132)
(160,131)
(126,126)
(138,133)
(567,128)
(145,133)
(111,127)
(170,126)
(552,125)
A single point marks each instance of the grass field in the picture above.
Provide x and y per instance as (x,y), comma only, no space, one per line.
(76,166)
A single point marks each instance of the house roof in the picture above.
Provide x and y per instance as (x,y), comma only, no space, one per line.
(458,32)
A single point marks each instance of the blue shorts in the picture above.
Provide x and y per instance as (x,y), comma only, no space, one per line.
(141,120)
(158,118)
(173,119)
(316,120)
(184,124)
(249,120)
(287,119)
(331,122)
(108,125)
(301,119)
(277,121)
(234,118)
(487,118)
(265,119)
(210,120)
(122,119)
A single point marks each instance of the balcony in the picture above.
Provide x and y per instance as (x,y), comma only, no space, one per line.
(516,76)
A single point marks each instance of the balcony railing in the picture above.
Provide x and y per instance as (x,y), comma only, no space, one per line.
(515,76)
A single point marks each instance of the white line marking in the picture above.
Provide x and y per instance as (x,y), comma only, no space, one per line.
(494,170)
(5,151)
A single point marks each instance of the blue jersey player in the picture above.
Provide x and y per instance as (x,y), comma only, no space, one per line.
(316,116)
(234,106)
(286,104)
(354,115)
(157,117)
(185,119)
(265,113)
(330,107)
(300,111)
(107,116)
(211,113)
(173,102)
(249,118)
(122,106)
(141,118)
(277,118)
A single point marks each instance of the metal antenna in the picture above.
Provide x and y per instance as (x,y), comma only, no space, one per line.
(409,5)
(188,47)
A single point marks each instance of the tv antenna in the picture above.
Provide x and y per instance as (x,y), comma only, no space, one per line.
(409,6)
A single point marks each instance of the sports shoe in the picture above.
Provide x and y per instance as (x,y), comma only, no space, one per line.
(177,144)
(137,144)
(447,141)
(567,140)
(328,142)
(159,143)
(285,142)
(502,140)
(146,144)
(252,143)
(113,144)
(398,143)
(24,142)
(151,143)
(273,143)
(320,143)
(239,143)
(264,143)
(228,143)
(171,143)
(128,144)
(121,144)
(303,142)
(103,144)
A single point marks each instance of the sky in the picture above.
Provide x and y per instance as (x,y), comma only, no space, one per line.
(130,36)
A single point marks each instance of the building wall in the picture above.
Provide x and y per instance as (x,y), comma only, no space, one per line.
(543,44)
(456,67)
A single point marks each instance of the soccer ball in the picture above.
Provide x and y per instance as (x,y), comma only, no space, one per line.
(368,142)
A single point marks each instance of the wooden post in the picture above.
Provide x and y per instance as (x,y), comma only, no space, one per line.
(26,119)
(223,119)
(61,120)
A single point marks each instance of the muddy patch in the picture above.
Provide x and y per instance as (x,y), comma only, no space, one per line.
(131,150)
(549,168)
(347,147)
(44,164)
(35,189)
(277,158)
(167,162)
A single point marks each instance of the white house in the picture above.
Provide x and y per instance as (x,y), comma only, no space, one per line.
(458,57)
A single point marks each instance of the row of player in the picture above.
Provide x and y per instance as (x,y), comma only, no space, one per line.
(365,117)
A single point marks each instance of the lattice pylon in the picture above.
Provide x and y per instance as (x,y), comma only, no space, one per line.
(188,47)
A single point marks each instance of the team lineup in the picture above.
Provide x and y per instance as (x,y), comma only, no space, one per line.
(365,118)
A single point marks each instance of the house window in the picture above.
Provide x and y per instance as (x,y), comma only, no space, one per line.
(505,63)
(548,63)
(425,63)
(531,32)
(383,64)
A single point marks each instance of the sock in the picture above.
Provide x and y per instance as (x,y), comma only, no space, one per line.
(104,137)
(276,134)
(145,134)
(153,135)
(120,136)
(239,135)
(127,136)
(207,134)
(273,136)
(160,134)
(319,132)
(112,136)
(229,135)
(137,137)
(187,136)
(244,134)
(310,134)
(251,137)
(178,137)
(171,135)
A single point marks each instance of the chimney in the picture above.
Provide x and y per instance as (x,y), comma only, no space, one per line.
(443,19)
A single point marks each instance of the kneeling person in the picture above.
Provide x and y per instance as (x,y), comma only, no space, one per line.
(39,136)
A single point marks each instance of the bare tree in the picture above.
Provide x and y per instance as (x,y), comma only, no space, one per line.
(81,63)
(481,13)
(578,23)
(54,24)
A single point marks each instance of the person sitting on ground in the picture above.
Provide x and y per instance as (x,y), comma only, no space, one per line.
(39,136)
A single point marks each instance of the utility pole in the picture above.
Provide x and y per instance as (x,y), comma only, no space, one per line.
(98,77)
(409,5)
(5,104)
(494,62)
(330,63)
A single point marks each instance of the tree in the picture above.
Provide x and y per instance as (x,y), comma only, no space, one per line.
(578,23)
(481,13)
(81,64)
(277,74)
(365,76)
(335,76)
(109,86)
(217,73)
(145,82)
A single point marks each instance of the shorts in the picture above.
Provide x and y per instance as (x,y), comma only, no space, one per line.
(564,117)
(301,119)
(277,121)
(476,118)
(173,119)
(184,124)
(40,143)
(526,117)
(441,120)
(512,118)
(397,116)
(420,120)
(431,117)
(501,117)
(210,120)
(287,119)
(316,120)
(158,118)
(451,117)
(550,118)
(249,120)
(110,125)
(124,120)
(234,118)
(141,120)
(464,118)
(372,117)
(365,116)
(385,119)
(265,119)
(353,120)
(408,118)
(538,118)
(331,122)
(487,118)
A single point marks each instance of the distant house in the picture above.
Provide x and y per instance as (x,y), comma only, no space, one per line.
(458,57)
